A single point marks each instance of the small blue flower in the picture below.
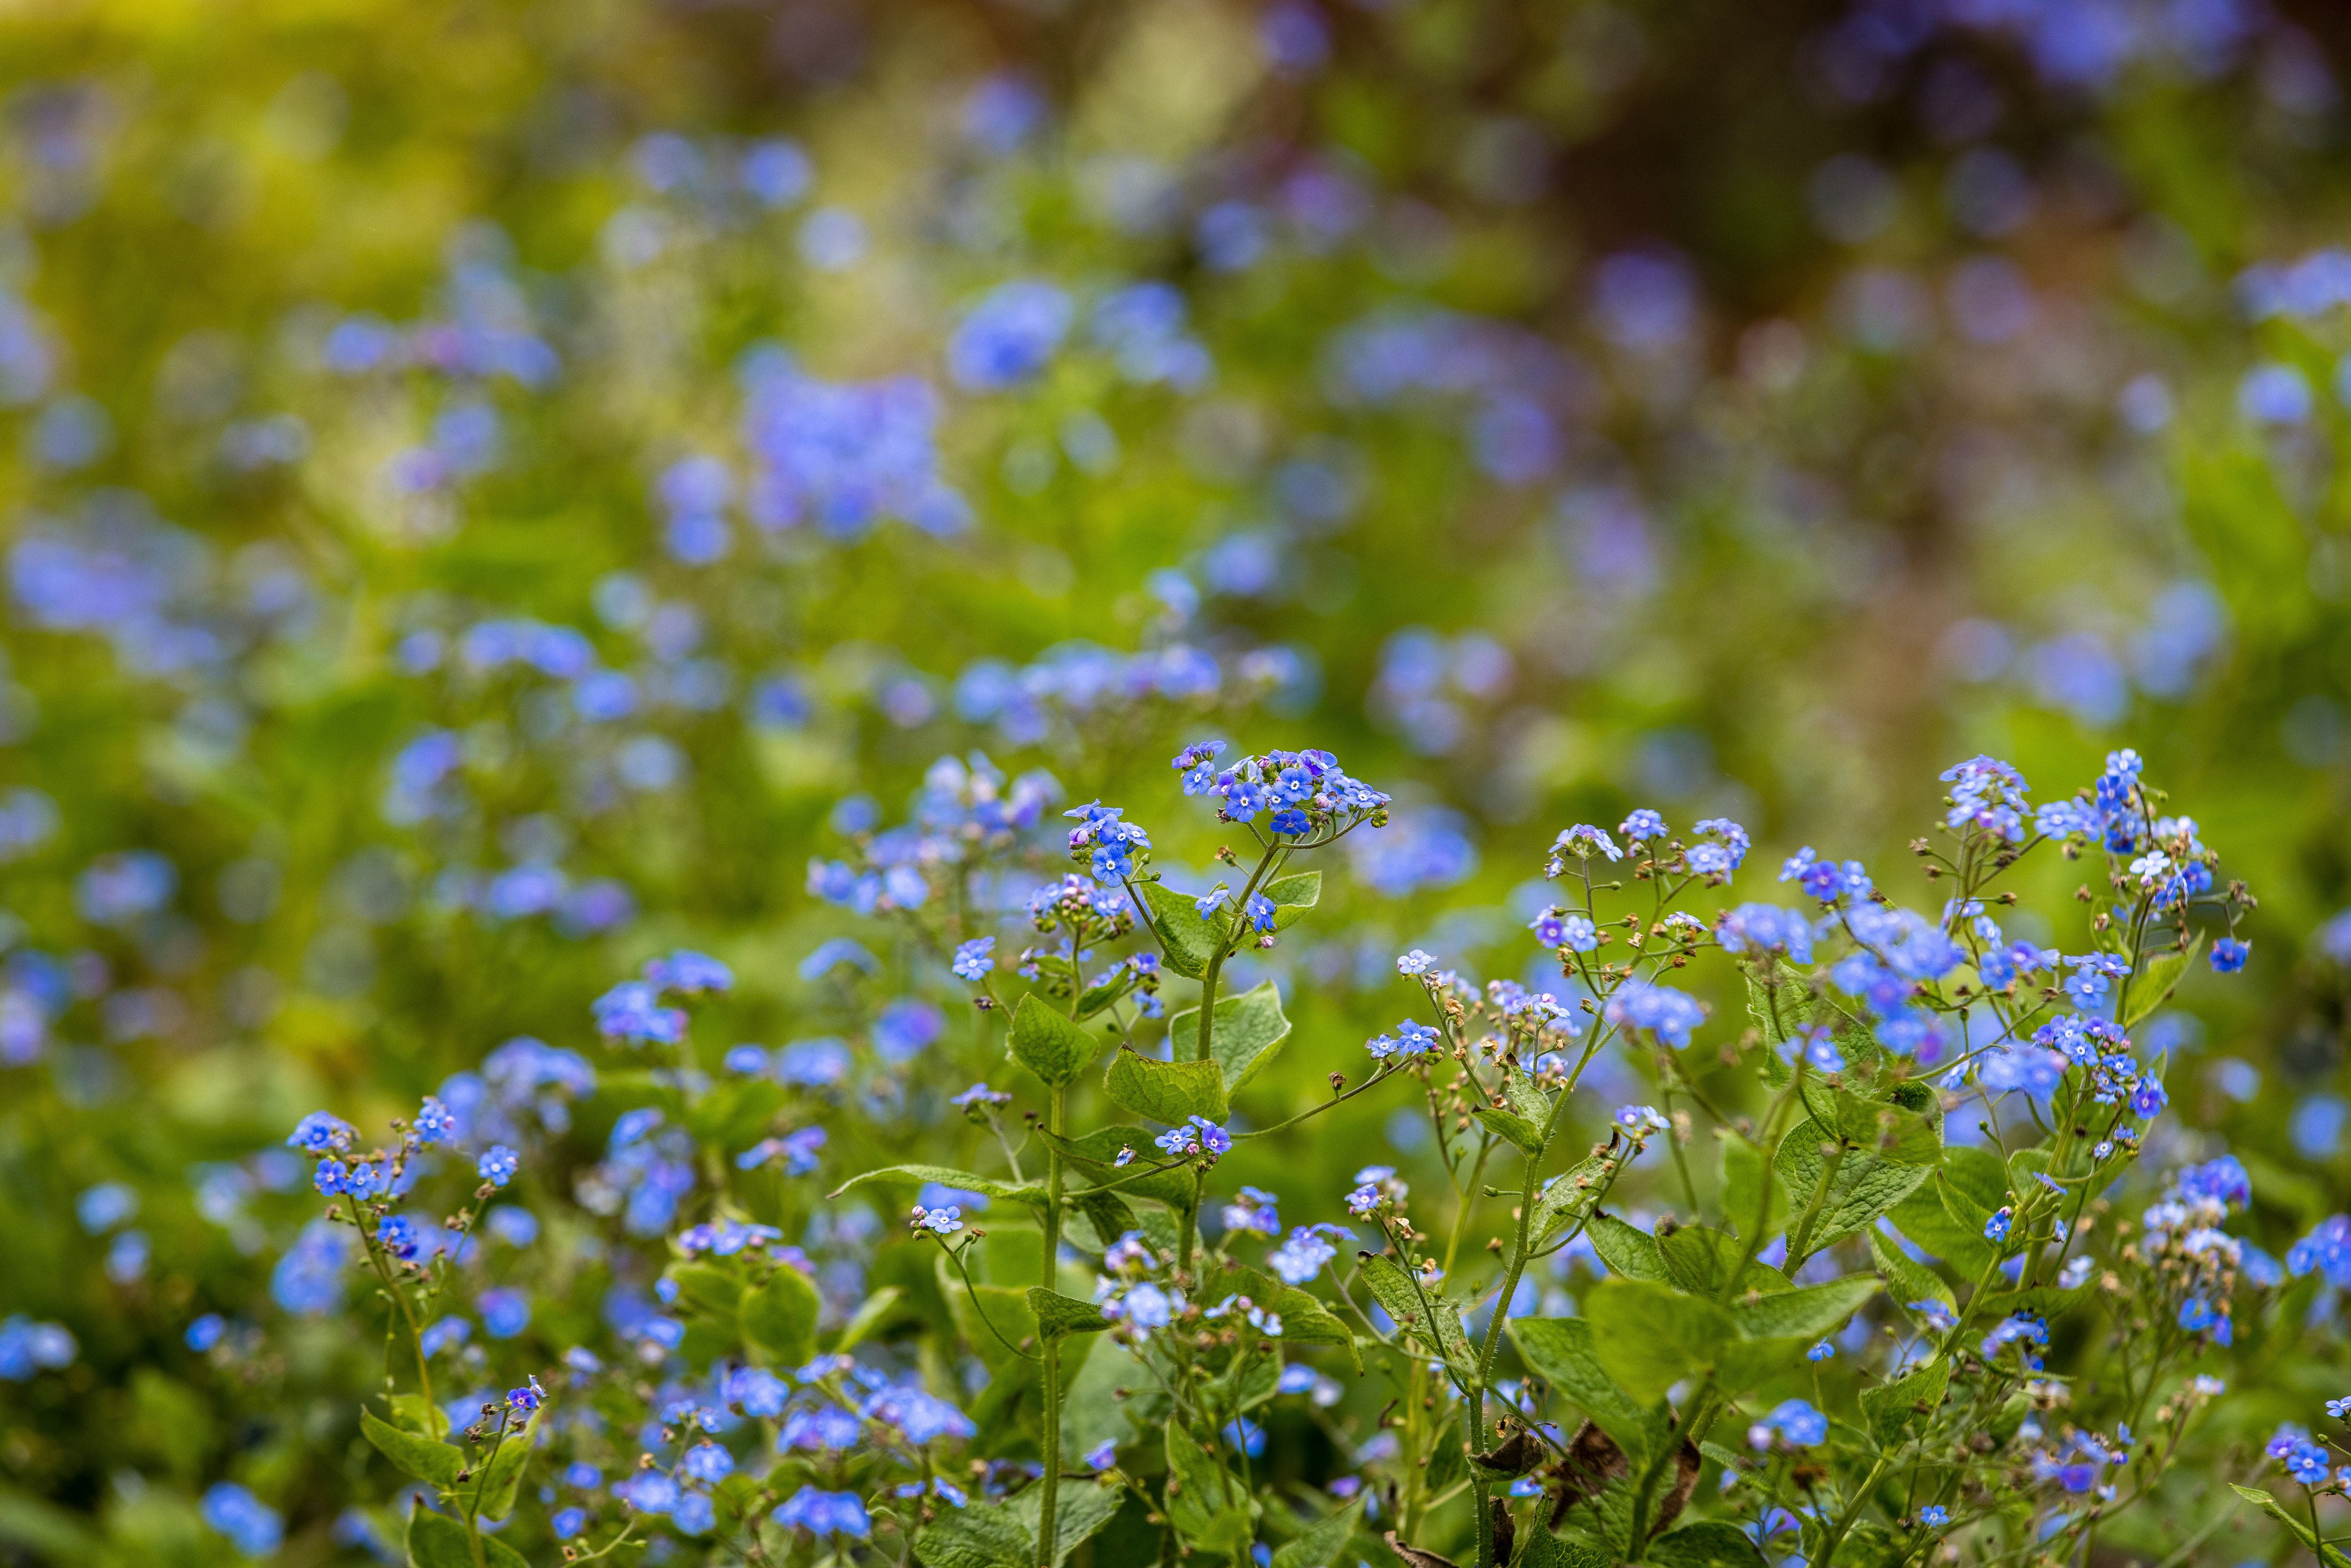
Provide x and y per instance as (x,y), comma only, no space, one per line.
(2229,955)
(1934,1516)
(975,958)
(498,1166)
(1643,824)
(436,1122)
(1821,1352)
(1996,1228)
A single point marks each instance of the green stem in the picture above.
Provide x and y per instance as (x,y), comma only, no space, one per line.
(1056,1110)
(1224,948)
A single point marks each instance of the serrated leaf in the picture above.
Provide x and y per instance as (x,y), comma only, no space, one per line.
(2153,986)
(1248,1033)
(979,1535)
(426,1459)
(1891,1408)
(1922,1217)
(1561,1351)
(1305,1320)
(1710,1544)
(436,1541)
(1422,1314)
(1862,1187)
(779,1317)
(1321,1545)
(1629,1252)
(1057,1314)
(1031,1193)
(1170,1092)
(1524,1114)
(1049,1044)
(1807,1311)
(1907,1280)
(1887,1132)
(1563,1199)
(1186,940)
(1097,1219)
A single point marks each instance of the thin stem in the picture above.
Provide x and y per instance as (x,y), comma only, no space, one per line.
(1056,1110)
(1224,948)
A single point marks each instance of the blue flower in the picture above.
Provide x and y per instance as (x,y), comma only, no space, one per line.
(321,1134)
(396,1236)
(505,1313)
(691,972)
(1010,336)
(705,1464)
(1996,1228)
(435,1123)
(498,1165)
(1821,1352)
(1934,1516)
(1669,1014)
(1643,824)
(1791,1424)
(252,1526)
(444,1334)
(975,958)
(2228,954)
(1584,840)
(1259,912)
(568,1524)
(205,1333)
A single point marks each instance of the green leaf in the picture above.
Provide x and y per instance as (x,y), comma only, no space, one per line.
(1292,897)
(1651,1336)
(1424,1314)
(1542,1549)
(2270,1505)
(1304,1319)
(979,1535)
(1524,1114)
(714,1292)
(1167,1092)
(1048,1044)
(1188,941)
(779,1317)
(1742,1189)
(1248,1033)
(1321,1545)
(1571,1195)
(414,1412)
(1907,1279)
(1864,1185)
(1887,1132)
(1710,1544)
(436,1541)
(502,1477)
(1628,1251)
(2153,986)
(1807,1311)
(1922,1217)
(1209,1508)
(1105,1214)
(1561,1352)
(1097,1154)
(1078,1514)
(1031,1193)
(1979,1173)
(1700,1260)
(870,1315)
(426,1459)
(1007,1307)
(1891,1407)
(1057,1314)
